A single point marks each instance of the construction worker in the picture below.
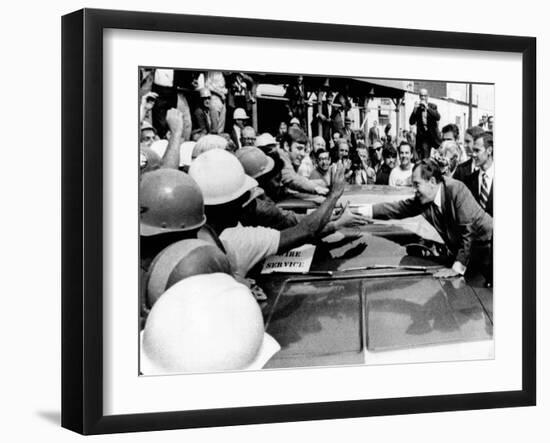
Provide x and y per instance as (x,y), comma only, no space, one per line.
(226,189)
(239,119)
(205,323)
(171,209)
(262,210)
(208,142)
(203,119)
(267,143)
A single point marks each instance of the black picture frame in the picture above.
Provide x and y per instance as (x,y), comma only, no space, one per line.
(82,220)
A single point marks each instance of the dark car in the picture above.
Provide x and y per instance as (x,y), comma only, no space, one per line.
(370,298)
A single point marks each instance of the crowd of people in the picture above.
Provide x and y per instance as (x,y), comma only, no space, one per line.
(209,187)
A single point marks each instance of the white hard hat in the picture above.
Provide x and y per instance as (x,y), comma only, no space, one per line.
(186,150)
(186,153)
(146,125)
(265,139)
(294,120)
(239,114)
(159,147)
(208,142)
(205,93)
(220,177)
(204,323)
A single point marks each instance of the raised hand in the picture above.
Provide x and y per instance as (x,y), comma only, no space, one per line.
(174,120)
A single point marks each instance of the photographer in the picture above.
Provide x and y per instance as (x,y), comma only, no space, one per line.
(426,117)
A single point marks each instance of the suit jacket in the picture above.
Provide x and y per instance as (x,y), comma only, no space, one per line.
(337,120)
(462,223)
(472,181)
(430,133)
(202,121)
(350,137)
(463,170)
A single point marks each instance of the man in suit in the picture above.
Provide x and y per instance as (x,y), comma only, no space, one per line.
(426,117)
(468,167)
(338,114)
(348,133)
(203,121)
(374,133)
(450,208)
(481,181)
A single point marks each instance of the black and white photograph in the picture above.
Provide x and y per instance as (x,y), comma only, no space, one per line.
(290,220)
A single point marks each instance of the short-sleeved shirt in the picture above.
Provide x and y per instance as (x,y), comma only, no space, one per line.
(247,246)
(400,177)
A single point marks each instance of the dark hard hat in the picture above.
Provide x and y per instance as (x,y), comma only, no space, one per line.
(170,201)
(181,260)
(254,161)
(149,160)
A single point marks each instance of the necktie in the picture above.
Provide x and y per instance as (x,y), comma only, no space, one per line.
(484,193)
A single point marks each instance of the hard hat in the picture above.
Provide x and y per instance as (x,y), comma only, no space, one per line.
(205,93)
(181,260)
(186,153)
(254,161)
(265,139)
(240,114)
(204,323)
(169,201)
(294,120)
(208,142)
(186,150)
(146,125)
(159,146)
(220,177)
(149,160)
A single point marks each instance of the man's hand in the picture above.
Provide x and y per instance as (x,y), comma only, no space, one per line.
(446,273)
(348,219)
(337,179)
(148,101)
(321,190)
(174,120)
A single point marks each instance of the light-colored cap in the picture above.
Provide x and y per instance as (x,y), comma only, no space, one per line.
(265,139)
(240,114)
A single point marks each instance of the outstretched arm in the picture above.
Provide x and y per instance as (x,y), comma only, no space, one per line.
(312,225)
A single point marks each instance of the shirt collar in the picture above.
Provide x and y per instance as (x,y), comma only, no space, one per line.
(490,172)
(437,199)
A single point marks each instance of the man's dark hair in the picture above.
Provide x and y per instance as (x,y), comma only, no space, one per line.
(487,140)
(474,131)
(318,153)
(451,127)
(388,151)
(429,168)
(294,135)
(404,143)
